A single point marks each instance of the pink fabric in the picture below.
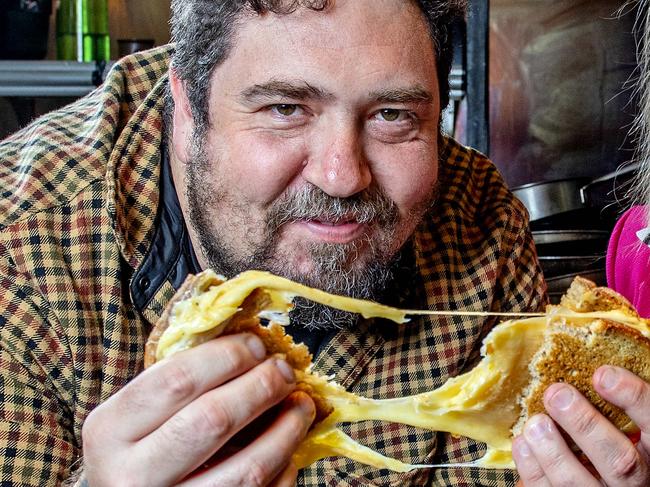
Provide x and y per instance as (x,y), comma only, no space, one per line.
(628,260)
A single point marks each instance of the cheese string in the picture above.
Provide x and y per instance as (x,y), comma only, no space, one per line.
(470,313)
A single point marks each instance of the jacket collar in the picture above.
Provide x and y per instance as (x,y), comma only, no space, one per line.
(170,257)
(137,84)
(134,98)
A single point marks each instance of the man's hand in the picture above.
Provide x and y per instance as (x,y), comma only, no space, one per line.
(544,459)
(172,424)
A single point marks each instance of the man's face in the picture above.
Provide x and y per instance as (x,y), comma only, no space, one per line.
(321,154)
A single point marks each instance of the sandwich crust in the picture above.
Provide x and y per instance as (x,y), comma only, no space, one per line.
(151,346)
(276,341)
(584,296)
(572,352)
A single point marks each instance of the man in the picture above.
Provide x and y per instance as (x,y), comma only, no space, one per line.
(302,138)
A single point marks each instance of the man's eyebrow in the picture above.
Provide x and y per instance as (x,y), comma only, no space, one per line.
(296,90)
(414,94)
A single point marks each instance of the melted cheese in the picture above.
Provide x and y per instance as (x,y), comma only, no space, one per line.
(480,404)
(188,328)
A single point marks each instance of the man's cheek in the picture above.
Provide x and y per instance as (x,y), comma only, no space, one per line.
(263,173)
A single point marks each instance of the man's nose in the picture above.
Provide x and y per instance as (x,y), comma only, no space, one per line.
(338,165)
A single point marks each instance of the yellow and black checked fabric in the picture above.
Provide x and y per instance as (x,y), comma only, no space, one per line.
(77,215)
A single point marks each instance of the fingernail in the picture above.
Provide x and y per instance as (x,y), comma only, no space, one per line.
(286,370)
(307,405)
(256,347)
(609,378)
(562,399)
(522,448)
(538,429)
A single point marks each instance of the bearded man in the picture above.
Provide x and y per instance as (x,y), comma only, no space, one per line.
(299,137)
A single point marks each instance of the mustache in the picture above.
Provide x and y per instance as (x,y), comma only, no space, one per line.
(312,203)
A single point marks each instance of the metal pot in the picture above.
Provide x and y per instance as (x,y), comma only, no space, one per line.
(550,198)
(552,237)
(612,189)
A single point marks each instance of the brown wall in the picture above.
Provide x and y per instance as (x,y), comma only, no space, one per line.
(139,19)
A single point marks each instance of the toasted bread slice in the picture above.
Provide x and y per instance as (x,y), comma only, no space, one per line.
(573,349)
(584,296)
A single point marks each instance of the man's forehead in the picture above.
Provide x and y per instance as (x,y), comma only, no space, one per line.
(333,54)
(347,24)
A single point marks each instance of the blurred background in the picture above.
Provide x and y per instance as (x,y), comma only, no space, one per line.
(28,31)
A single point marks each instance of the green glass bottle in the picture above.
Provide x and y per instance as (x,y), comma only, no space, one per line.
(103,36)
(66,31)
(83,37)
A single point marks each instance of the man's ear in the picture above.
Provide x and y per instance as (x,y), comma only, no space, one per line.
(183,122)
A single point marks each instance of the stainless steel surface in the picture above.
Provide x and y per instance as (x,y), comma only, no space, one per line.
(555,265)
(45,91)
(457,83)
(609,188)
(46,78)
(46,66)
(49,78)
(549,237)
(562,283)
(549,198)
(477,63)
(555,244)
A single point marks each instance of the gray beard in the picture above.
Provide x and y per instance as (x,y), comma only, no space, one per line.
(333,264)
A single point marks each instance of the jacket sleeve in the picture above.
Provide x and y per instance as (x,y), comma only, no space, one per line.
(520,283)
(37,388)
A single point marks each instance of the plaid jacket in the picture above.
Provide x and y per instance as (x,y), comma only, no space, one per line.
(77,214)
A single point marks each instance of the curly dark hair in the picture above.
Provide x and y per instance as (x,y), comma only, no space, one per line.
(203,30)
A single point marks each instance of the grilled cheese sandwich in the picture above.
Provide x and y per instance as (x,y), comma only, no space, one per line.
(485,403)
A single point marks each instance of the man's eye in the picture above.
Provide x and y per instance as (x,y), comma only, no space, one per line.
(286,110)
(390,114)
